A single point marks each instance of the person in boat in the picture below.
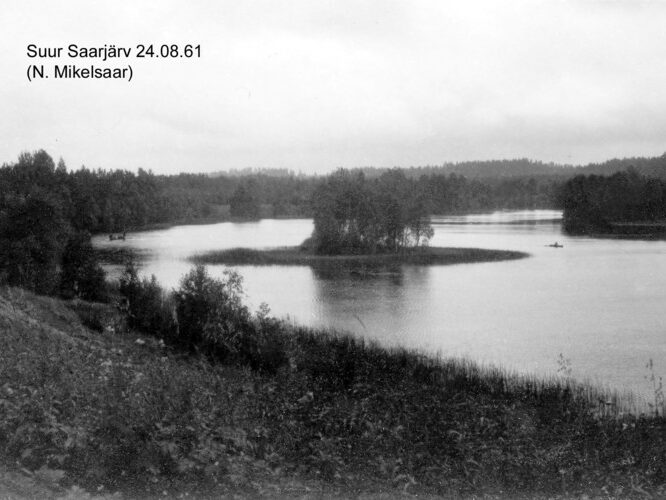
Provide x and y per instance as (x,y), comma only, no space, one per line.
(118,237)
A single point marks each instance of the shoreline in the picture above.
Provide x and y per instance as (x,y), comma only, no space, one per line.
(297,256)
(156,226)
(485,429)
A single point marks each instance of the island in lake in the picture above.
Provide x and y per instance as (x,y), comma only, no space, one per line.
(298,256)
(360,221)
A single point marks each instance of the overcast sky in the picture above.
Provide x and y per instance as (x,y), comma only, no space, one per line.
(313,85)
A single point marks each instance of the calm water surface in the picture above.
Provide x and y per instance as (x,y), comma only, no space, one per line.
(599,302)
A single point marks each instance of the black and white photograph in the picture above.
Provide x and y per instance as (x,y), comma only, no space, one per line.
(332,249)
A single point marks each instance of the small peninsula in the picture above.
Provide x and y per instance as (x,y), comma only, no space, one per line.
(297,256)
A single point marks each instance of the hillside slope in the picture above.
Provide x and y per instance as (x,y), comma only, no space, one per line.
(86,404)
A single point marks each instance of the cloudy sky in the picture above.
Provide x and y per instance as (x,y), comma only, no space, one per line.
(312,85)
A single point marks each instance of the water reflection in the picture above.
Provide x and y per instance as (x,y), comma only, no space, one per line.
(392,293)
(358,273)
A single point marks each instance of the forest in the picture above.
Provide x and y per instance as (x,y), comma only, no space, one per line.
(104,201)
(116,200)
(624,201)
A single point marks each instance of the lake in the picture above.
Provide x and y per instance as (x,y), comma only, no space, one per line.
(598,302)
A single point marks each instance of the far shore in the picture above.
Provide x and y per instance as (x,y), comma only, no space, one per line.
(297,256)
(631,230)
(201,221)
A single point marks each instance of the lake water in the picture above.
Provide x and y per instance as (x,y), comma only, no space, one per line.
(598,302)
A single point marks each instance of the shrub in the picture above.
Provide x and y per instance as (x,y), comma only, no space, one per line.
(267,350)
(205,315)
(149,309)
(211,314)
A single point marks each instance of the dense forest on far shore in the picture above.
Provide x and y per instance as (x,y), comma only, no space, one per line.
(106,201)
(117,200)
(623,203)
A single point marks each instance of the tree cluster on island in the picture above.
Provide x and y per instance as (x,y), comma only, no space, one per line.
(353,215)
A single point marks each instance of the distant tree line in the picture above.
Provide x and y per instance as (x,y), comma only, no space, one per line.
(649,167)
(526,168)
(483,169)
(598,203)
(106,201)
(454,193)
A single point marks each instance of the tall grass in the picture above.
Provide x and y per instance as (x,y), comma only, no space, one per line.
(336,414)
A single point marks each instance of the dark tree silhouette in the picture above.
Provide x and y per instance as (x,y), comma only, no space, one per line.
(244,202)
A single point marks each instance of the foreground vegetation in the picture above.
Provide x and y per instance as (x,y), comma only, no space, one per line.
(189,392)
(298,256)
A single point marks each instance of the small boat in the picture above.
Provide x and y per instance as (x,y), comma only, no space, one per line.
(555,245)
(113,237)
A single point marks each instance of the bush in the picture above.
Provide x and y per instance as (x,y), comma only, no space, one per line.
(211,314)
(149,309)
(212,318)
(205,315)
(267,351)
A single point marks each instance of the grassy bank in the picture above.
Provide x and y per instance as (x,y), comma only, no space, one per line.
(102,407)
(299,256)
